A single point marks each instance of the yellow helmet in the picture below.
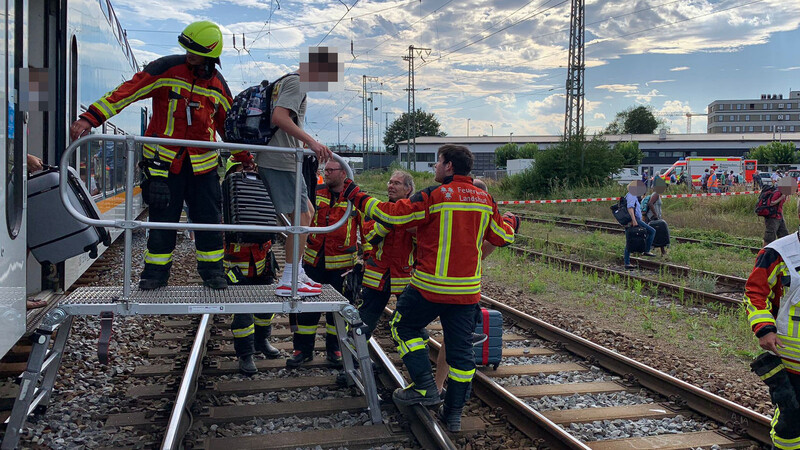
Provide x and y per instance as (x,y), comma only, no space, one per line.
(202,38)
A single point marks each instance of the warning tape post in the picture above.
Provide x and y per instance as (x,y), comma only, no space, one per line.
(614,199)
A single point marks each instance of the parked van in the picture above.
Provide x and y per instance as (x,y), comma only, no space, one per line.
(626,175)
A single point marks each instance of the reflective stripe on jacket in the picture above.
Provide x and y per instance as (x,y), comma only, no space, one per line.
(392,252)
(452,222)
(251,259)
(340,246)
(184,107)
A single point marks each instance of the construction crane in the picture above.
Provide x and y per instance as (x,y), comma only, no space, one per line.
(688,116)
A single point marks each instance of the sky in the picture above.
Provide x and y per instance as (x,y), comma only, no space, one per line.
(495,67)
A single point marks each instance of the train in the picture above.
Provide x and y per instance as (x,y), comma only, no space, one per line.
(58,57)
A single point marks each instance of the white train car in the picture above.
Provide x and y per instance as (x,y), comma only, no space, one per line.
(56,57)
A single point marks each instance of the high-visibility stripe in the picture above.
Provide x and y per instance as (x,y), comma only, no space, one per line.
(204,161)
(401,345)
(243,332)
(772,372)
(372,210)
(443,249)
(479,241)
(173,106)
(500,231)
(339,265)
(306,329)
(457,206)
(781,442)
(212,256)
(411,345)
(445,290)
(259,322)
(446,280)
(330,329)
(104,107)
(462,376)
(399,284)
(159,259)
(347,232)
(231,275)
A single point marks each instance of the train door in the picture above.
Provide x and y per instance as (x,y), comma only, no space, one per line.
(12,177)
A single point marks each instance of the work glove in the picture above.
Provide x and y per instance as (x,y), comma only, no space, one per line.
(351,189)
(512,220)
(157,193)
(247,160)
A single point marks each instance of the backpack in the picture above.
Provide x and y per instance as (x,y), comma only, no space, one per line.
(620,211)
(645,202)
(249,121)
(762,207)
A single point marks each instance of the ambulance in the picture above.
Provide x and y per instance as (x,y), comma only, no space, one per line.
(693,168)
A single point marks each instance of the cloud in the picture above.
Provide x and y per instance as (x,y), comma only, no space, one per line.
(658,81)
(621,88)
(645,98)
(789,69)
(679,69)
(599,116)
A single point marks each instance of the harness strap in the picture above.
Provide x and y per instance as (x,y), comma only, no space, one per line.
(106,320)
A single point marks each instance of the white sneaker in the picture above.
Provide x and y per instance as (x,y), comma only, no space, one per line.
(307,280)
(303,290)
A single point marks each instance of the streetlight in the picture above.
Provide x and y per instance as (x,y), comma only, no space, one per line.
(339,133)
(468,127)
(492,129)
(511,137)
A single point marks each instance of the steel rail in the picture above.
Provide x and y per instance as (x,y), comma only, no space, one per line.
(177,427)
(646,281)
(740,419)
(427,430)
(613,228)
(727,280)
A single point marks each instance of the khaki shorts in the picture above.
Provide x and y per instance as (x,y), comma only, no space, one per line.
(280,185)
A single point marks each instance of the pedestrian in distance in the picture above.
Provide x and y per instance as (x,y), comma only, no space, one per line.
(190,99)
(652,215)
(452,220)
(278,170)
(704,180)
(774,223)
(636,189)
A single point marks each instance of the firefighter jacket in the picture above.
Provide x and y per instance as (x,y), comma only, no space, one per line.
(339,248)
(772,296)
(251,259)
(184,107)
(452,222)
(390,251)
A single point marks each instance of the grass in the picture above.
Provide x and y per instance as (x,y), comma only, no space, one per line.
(724,332)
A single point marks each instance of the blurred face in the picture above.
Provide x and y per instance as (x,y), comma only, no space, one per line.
(442,170)
(194,60)
(396,189)
(334,175)
(637,188)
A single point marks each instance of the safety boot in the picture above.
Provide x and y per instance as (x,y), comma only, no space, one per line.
(413,395)
(148,284)
(247,366)
(771,370)
(298,358)
(334,358)
(217,282)
(450,417)
(264,346)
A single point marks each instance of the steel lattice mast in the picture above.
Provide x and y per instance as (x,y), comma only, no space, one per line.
(573,119)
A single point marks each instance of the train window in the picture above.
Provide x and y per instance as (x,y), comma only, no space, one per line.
(108,161)
(119,164)
(15,156)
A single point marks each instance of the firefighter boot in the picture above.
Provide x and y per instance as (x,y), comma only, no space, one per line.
(303,350)
(247,366)
(334,356)
(424,394)
(770,369)
(154,276)
(455,399)
(262,344)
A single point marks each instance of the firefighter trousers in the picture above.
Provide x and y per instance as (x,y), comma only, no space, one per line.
(412,314)
(785,432)
(249,329)
(372,305)
(203,196)
(306,323)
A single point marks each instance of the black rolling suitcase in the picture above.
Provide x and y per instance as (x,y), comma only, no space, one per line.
(491,351)
(662,233)
(636,239)
(53,234)
(246,201)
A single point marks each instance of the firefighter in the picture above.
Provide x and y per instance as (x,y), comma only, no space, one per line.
(190,100)
(250,264)
(326,260)
(452,221)
(772,296)
(387,266)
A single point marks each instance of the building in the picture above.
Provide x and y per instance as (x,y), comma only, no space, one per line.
(770,113)
(659,150)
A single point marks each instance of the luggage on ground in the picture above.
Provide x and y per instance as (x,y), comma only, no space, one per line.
(53,234)
(662,233)
(636,239)
(246,201)
(620,211)
(491,351)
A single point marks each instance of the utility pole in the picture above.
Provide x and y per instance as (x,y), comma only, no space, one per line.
(364,115)
(411,124)
(573,120)
(339,133)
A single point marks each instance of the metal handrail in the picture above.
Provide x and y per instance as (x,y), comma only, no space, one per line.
(129,223)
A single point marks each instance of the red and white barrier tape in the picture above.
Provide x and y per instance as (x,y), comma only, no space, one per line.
(614,199)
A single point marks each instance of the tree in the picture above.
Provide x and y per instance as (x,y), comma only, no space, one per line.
(634,120)
(775,153)
(570,163)
(629,150)
(427,125)
(512,151)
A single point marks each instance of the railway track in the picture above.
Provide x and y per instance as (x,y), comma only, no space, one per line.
(614,228)
(647,282)
(723,283)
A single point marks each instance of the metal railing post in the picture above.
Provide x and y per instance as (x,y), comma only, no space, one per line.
(130,155)
(296,222)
